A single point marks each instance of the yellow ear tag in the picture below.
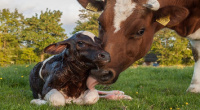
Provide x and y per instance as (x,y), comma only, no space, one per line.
(164,20)
(91,7)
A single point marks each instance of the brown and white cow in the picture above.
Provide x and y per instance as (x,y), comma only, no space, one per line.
(127,28)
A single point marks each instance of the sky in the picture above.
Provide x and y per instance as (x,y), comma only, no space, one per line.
(69,8)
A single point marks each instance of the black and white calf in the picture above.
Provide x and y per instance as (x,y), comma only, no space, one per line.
(64,78)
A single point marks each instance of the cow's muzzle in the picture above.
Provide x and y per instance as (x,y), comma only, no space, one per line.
(103,76)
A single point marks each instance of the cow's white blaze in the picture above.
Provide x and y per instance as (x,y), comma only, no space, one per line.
(195,83)
(87,33)
(154,3)
(123,9)
(44,62)
(195,35)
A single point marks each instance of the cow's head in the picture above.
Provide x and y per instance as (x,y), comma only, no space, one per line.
(126,28)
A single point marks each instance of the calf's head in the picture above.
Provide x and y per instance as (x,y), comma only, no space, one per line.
(126,28)
(82,47)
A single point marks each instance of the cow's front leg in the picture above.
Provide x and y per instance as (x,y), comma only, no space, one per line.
(195,83)
(114,95)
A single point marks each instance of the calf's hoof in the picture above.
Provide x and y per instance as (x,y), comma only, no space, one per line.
(117,97)
(55,98)
(38,102)
(194,88)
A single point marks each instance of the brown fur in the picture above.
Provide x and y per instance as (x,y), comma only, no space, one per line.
(126,47)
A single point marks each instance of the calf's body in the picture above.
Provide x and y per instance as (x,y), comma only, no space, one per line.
(62,78)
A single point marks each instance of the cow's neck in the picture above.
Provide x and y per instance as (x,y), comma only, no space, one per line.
(192,23)
(185,3)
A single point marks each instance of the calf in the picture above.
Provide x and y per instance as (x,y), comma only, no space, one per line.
(62,78)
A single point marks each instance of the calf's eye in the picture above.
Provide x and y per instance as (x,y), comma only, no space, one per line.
(81,44)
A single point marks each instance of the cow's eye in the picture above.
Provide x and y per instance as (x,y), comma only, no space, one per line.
(81,44)
(141,32)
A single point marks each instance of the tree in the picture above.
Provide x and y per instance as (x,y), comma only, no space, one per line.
(28,55)
(11,26)
(43,30)
(171,48)
(88,22)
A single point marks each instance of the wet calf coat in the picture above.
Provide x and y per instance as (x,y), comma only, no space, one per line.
(63,76)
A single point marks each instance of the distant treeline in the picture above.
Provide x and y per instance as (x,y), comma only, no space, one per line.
(22,40)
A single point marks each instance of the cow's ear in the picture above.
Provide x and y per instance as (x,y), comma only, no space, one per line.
(93,5)
(57,48)
(171,15)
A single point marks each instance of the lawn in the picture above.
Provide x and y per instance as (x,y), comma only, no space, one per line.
(161,88)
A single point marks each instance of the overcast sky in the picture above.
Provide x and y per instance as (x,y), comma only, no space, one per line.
(69,8)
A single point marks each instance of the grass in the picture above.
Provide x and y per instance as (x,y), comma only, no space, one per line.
(161,88)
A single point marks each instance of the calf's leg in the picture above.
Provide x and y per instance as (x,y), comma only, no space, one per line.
(55,98)
(114,95)
(111,92)
(195,83)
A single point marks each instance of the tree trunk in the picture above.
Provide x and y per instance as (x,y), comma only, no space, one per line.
(42,56)
(4,44)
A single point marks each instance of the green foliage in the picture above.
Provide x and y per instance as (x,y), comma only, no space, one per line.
(151,88)
(171,48)
(21,36)
(22,40)
(88,22)
(43,30)
(28,55)
(11,26)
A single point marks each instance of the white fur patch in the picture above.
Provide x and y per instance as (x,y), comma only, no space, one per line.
(87,33)
(55,98)
(155,4)
(123,9)
(195,35)
(43,63)
(38,102)
(89,97)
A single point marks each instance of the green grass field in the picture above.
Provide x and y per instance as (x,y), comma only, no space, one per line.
(151,88)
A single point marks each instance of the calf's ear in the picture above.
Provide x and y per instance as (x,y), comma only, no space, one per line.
(93,5)
(171,15)
(57,48)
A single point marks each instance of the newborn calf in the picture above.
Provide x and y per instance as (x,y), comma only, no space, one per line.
(62,78)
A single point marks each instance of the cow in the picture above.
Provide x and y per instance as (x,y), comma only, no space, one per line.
(64,77)
(127,27)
